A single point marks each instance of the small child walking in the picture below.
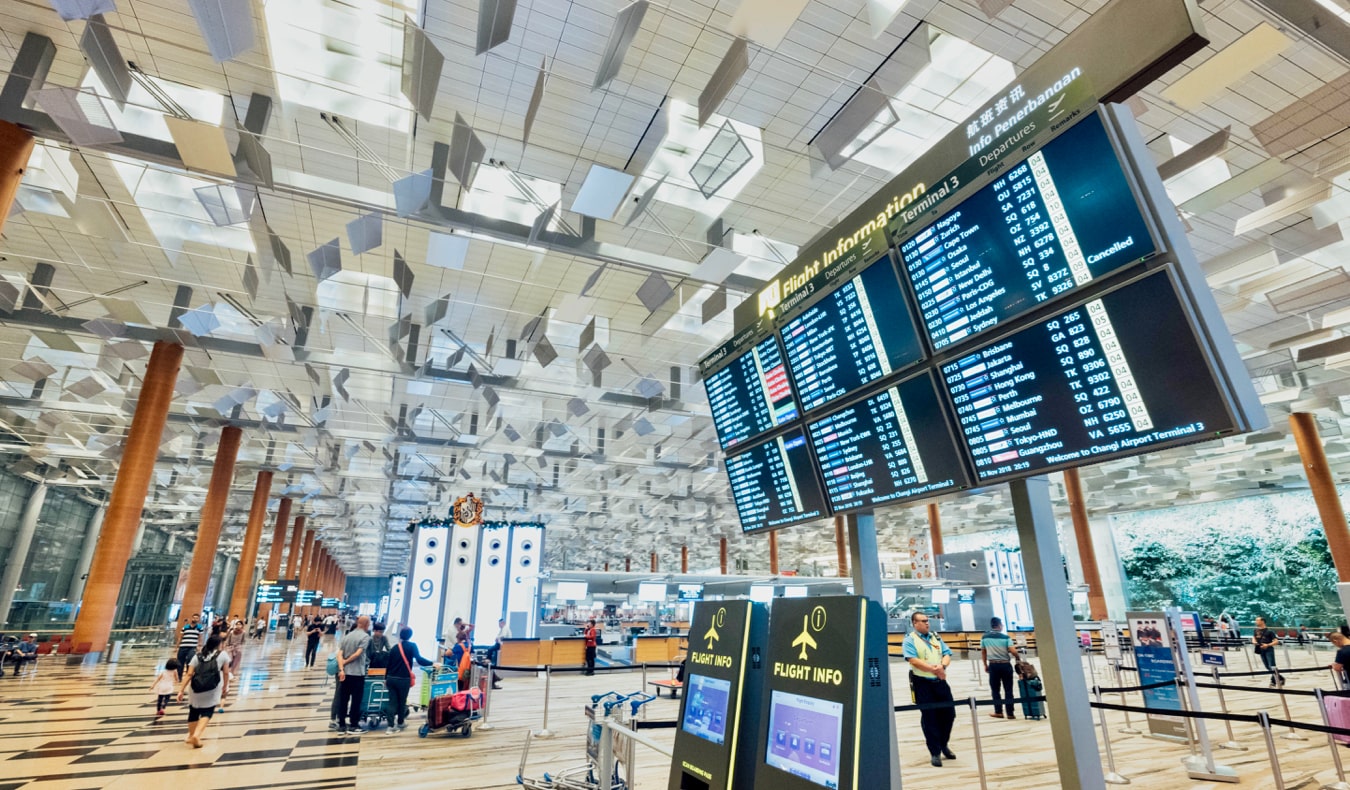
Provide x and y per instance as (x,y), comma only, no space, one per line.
(164,685)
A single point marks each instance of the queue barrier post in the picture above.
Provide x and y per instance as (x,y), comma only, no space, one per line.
(1292,735)
(484,725)
(1112,776)
(1231,743)
(1128,729)
(1247,655)
(1284,648)
(979,748)
(1339,784)
(544,732)
(1264,719)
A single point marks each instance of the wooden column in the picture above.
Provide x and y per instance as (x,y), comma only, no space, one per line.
(1087,554)
(773,552)
(16,146)
(653,562)
(684,559)
(273,571)
(627,564)
(293,555)
(248,553)
(1323,487)
(109,566)
(934,531)
(724,556)
(213,515)
(840,545)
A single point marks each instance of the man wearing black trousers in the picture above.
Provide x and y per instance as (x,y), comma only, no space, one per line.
(928,658)
(352,658)
(592,637)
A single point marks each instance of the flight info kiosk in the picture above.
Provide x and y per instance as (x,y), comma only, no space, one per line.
(723,682)
(826,700)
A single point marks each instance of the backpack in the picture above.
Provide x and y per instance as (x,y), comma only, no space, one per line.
(207,674)
(379,653)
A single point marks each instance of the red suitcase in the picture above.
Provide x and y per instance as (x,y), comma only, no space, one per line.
(441,711)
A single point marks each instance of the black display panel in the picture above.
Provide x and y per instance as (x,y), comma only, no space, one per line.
(1058,220)
(1119,375)
(774,483)
(859,332)
(892,446)
(751,395)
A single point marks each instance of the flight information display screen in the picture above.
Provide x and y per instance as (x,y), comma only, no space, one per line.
(893,446)
(1116,376)
(751,395)
(1061,218)
(774,484)
(860,332)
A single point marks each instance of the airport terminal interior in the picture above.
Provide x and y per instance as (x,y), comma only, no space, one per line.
(697,380)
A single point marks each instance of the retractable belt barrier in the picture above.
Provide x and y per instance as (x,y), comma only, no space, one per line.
(570,668)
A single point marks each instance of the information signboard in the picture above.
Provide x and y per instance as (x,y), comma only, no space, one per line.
(280,591)
(751,395)
(774,483)
(1116,376)
(1056,221)
(307,597)
(893,446)
(859,332)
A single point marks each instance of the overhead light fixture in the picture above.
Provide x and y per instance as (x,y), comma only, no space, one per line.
(602,192)
(227,26)
(81,115)
(724,157)
(724,78)
(494,23)
(106,59)
(621,35)
(421,70)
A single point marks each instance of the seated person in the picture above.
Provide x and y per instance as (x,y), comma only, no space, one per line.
(25,652)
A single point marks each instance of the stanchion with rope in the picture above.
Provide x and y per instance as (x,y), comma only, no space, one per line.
(548,682)
(1112,776)
(487,701)
(1264,719)
(1339,784)
(1128,729)
(1292,735)
(1231,743)
(979,749)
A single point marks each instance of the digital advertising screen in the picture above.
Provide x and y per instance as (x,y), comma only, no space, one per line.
(1058,220)
(893,446)
(690,592)
(705,712)
(652,592)
(804,736)
(774,484)
(751,395)
(859,332)
(571,591)
(1116,376)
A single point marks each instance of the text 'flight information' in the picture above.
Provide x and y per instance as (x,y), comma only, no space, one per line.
(751,395)
(1056,221)
(859,333)
(774,484)
(893,446)
(1114,376)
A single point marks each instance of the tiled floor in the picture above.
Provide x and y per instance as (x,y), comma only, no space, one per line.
(75,727)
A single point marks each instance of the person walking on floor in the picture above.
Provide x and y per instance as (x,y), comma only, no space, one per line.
(998,652)
(1265,641)
(163,685)
(208,678)
(398,678)
(352,659)
(260,629)
(313,633)
(928,658)
(592,635)
(189,639)
(292,625)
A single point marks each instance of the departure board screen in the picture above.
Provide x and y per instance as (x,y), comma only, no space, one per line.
(1061,218)
(774,484)
(1118,375)
(751,395)
(893,446)
(860,332)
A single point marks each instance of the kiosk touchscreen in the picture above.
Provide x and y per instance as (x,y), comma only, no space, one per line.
(826,699)
(715,747)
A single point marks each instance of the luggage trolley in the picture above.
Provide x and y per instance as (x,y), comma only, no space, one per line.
(612,705)
(373,697)
(456,711)
(437,681)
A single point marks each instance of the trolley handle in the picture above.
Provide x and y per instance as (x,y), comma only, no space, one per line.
(597,698)
(638,700)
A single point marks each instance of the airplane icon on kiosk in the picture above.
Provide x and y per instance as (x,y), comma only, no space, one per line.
(804,638)
(712,636)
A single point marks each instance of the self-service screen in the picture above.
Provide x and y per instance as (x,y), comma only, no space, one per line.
(860,332)
(804,737)
(751,395)
(1056,221)
(1110,377)
(705,714)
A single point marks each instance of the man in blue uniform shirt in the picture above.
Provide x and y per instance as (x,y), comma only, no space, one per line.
(928,658)
(998,652)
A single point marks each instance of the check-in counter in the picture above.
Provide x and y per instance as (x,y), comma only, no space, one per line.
(566,651)
(655,649)
(520,653)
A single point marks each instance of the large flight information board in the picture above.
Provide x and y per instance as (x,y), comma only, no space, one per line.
(859,332)
(751,395)
(1061,218)
(1119,375)
(774,484)
(893,446)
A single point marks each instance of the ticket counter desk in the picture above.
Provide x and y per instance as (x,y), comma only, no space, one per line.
(656,649)
(563,651)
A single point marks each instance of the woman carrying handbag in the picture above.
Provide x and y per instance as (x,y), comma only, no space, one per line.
(399,679)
